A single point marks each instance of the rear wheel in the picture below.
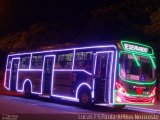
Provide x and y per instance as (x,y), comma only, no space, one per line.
(85,98)
(27,90)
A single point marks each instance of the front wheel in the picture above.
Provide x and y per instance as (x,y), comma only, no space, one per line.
(85,98)
(118,106)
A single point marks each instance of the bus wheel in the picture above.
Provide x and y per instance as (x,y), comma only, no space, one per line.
(27,90)
(85,98)
(119,106)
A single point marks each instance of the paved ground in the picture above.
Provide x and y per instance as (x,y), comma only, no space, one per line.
(15,105)
(20,105)
(39,108)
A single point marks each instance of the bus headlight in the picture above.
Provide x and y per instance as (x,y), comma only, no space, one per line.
(118,99)
(120,88)
(153,92)
(153,101)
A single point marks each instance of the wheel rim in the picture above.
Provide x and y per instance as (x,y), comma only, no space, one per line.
(85,98)
(27,91)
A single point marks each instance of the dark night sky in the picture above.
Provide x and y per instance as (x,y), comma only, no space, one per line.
(16,15)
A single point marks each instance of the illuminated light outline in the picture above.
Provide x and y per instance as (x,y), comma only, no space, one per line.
(61,50)
(134,82)
(134,103)
(111,46)
(107,71)
(17,76)
(6,75)
(79,86)
(37,70)
(92,93)
(28,80)
(110,79)
(153,63)
(77,90)
(93,80)
(142,100)
(16,58)
(42,78)
(128,52)
(133,95)
(137,53)
(74,70)
(73,59)
(41,52)
(110,73)
(30,62)
(41,70)
(105,104)
(120,88)
(136,60)
(114,82)
(153,92)
(131,81)
(66,96)
(129,42)
(133,54)
(30,70)
(5,79)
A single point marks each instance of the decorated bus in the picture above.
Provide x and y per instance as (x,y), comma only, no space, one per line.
(112,74)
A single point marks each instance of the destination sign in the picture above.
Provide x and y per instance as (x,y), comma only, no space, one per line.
(136,47)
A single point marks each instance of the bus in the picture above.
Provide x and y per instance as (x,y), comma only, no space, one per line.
(113,74)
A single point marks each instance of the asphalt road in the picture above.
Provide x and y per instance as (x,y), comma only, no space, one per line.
(20,108)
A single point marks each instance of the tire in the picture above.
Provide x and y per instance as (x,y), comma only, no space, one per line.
(85,98)
(27,91)
(118,106)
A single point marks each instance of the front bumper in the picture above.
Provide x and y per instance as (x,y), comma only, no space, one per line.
(121,98)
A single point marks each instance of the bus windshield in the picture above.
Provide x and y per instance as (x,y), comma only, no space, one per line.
(135,67)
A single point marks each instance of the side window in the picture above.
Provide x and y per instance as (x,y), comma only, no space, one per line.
(24,62)
(64,61)
(37,61)
(84,60)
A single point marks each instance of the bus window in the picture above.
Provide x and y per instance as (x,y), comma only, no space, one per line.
(129,69)
(84,60)
(24,62)
(147,72)
(37,61)
(64,61)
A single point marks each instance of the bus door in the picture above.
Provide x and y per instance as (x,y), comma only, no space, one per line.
(47,74)
(14,70)
(102,74)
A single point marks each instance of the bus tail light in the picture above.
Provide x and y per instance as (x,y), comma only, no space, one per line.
(120,88)
(153,92)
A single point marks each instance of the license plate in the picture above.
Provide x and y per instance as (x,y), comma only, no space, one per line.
(146,93)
